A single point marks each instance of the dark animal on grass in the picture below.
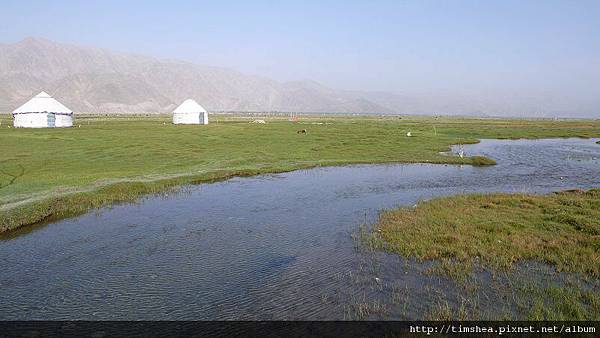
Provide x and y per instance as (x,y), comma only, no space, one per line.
(302,131)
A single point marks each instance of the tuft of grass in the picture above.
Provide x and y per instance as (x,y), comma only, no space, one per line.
(53,173)
(497,230)
(482,161)
(440,311)
(363,309)
(458,271)
(555,302)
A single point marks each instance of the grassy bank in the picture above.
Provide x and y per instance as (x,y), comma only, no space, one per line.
(498,230)
(501,232)
(55,173)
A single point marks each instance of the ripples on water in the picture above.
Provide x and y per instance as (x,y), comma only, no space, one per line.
(267,247)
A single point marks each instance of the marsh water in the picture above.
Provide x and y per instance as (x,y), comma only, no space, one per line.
(266,247)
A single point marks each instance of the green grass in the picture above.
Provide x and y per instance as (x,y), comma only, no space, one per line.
(554,302)
(462,234)
(498,230)
(559,303)
(482,161)
(53,173)
(452,270)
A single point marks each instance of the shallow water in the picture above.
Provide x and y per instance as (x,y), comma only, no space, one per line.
(266,247)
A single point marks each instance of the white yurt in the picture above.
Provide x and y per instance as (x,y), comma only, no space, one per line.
(42,111)
(190,112)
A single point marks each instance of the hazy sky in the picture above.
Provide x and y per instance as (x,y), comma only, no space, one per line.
(526,48)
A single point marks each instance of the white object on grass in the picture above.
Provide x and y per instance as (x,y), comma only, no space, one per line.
(190,112)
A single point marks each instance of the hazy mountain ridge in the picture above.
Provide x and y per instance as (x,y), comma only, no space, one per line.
(88,79)
(96,80)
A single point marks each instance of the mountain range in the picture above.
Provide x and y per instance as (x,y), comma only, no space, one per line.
(101,81)
(94,80)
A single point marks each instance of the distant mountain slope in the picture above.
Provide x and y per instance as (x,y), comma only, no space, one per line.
(97,80)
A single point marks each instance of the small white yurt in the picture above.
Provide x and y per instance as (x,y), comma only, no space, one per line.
(42,111)
(190,112)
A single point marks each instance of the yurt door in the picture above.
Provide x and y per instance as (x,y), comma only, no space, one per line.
(51,119)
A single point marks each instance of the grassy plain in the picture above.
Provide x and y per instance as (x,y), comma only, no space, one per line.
(48,174)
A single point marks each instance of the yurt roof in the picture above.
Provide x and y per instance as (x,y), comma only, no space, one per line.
(43,102)
(189,106)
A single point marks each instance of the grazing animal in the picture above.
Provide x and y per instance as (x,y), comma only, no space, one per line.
(302,131)
(408,134)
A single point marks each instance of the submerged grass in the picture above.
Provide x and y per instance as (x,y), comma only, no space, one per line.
(48,174)
(450,269)
(533,302)
(498,230)
(556,302)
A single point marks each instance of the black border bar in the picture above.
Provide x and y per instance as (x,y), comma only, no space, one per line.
(290,329)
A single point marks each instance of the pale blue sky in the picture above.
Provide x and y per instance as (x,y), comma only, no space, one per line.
(471,47)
